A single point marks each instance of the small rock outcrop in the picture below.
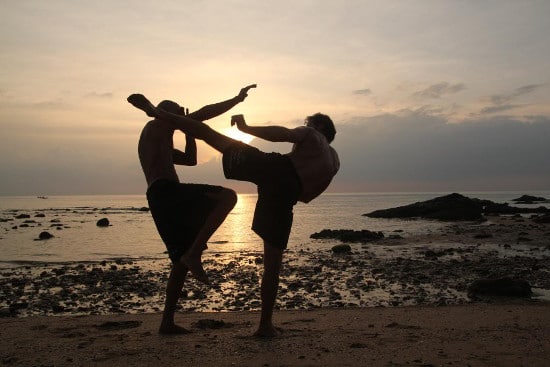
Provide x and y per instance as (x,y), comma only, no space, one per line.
(341,249)
(529,199)
(103,222)
(500,287)
(348,235)
(45,235)
(452,207)
(447,208)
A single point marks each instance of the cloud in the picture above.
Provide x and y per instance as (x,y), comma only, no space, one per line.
(502,102)
(106,95)
(416,150)
(362,92)
(498,108)
(438,90)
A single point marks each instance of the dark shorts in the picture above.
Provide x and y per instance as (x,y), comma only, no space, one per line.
(179,211)
(278,189)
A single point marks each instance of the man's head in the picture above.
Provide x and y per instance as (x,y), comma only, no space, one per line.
(170,106)
(323,124)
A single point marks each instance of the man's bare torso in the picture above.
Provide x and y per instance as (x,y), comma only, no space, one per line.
(155,149)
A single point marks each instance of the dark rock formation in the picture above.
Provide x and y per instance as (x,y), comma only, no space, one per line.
(103,222)
(545,218)
(348,235)
(45,235)
(501,287)
(529,199)
(453,207)
(341,249)
(450,207)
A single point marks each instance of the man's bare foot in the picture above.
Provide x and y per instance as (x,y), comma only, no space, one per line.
(173,329)
(268,332)
(141,102)
(194,264)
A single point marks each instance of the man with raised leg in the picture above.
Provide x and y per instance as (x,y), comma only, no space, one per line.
(186,215)
(281,179)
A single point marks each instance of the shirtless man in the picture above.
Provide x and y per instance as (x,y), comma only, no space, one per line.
(302,174)
(186,215)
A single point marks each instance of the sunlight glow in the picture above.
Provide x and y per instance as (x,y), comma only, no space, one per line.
(236,134)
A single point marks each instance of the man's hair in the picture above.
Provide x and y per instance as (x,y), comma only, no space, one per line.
(326,126)
(169,106)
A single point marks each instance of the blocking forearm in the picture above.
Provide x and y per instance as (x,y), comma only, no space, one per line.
(210,111)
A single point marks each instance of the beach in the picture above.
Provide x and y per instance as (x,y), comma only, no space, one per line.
(509,334)
(398,301)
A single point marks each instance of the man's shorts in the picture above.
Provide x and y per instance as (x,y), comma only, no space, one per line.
(278,189)
(180,211)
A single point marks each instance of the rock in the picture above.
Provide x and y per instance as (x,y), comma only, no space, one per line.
(341,249)
(453,207)
(103,222)
(348,235)
(45,235)
(500,287)
(143,209)
(447,208)
(528,199)
(22,216)
(545,218)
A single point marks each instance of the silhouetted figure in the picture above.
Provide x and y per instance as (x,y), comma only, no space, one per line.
(186,215)
(281,179)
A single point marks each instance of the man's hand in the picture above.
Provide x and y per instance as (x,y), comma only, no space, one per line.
(239,121)
(244,92)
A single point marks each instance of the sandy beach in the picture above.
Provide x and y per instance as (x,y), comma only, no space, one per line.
(512,334)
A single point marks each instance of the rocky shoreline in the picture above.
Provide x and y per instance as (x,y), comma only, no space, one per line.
(437,268)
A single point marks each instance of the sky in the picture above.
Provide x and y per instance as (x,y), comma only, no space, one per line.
(427,95)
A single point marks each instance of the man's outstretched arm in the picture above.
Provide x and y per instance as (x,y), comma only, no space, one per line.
(212,110)
(270,133)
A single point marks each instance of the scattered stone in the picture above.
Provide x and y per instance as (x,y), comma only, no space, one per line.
(103,222)
(45,235)
(341,249)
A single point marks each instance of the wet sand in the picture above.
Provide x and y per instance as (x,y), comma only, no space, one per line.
(516,334)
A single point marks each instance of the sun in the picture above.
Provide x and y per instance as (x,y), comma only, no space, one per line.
(236,134)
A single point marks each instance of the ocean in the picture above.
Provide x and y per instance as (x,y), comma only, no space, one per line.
(132,234)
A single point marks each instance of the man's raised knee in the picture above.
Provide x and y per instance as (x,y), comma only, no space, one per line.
(229,197)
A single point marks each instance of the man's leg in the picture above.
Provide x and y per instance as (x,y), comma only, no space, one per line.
(173,294)
(273,258)
(225,202)
(189,126)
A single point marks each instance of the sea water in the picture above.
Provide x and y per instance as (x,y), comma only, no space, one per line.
(132,234)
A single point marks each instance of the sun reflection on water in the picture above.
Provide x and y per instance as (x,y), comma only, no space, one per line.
(235,233)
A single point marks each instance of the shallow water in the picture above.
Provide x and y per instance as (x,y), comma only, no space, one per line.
(132,234)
